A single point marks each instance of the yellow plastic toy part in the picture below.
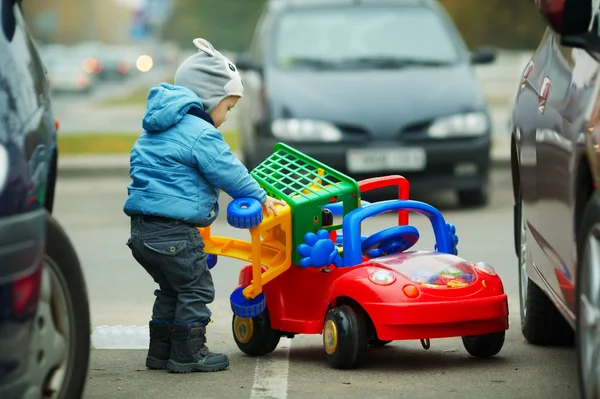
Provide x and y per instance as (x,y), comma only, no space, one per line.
(318,182)
(274,251)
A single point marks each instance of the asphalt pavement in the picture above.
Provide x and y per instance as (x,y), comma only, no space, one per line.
(90,209)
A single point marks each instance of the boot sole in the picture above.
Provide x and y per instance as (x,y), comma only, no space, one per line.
(185,368)
(156,364)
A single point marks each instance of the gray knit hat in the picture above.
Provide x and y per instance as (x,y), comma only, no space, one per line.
(210,75)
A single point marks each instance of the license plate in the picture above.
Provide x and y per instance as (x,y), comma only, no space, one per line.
(384,159)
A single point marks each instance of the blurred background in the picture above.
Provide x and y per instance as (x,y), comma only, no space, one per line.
(102,57)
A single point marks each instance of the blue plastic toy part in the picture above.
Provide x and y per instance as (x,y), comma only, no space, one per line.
(337,209)
(339,239)
(352,221)
(244,213)
(390,241)
(247,308)
(212,261)
(451,232)
(318,251)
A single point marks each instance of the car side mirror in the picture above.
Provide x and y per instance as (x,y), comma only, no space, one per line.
(568,17)
(484,55)
(244,62)
(576,21)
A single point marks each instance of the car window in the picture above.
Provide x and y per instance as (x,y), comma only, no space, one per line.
(346,33)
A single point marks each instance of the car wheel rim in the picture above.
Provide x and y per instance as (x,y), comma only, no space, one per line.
(523,263)
(51,357)
(589,315)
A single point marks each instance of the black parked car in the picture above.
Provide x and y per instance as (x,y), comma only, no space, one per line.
(44,314)
(556,169)
(369,87)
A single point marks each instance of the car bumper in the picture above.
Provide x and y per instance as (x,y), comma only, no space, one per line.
(450,164)
(404,321)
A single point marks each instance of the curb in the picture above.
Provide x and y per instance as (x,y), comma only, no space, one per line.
(118,165)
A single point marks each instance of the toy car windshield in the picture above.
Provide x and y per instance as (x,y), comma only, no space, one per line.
(442,271)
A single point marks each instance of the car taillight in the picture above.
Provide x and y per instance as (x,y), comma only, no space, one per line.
(26,293)
(123,67)
(82,80)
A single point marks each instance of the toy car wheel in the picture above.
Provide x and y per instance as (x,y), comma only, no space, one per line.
(254,336)
(484,345)
(377,343)
(345,337)
(244,213)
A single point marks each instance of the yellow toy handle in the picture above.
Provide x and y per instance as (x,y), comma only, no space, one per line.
(270,246)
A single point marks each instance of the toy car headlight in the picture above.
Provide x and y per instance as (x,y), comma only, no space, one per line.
(382,277)
(485,268)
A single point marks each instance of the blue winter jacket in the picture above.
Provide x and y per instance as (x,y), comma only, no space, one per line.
(180,162)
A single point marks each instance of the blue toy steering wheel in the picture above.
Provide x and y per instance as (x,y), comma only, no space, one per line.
(390,241)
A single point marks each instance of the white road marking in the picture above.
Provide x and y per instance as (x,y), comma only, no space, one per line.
(271,373)
(120,337)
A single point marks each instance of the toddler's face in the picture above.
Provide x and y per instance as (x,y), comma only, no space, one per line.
(219,114)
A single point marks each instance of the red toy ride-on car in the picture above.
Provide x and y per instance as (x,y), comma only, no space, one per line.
(357,291)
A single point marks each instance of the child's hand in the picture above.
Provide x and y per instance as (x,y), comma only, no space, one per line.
(269,205)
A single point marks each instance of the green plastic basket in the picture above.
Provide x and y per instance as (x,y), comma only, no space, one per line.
(306,185)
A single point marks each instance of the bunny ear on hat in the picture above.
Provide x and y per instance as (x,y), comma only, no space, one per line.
(204,46)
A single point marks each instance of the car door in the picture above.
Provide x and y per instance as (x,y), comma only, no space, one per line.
(564,92)
(525,120)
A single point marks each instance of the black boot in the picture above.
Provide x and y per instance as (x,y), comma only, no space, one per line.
(189,352)
(160,345)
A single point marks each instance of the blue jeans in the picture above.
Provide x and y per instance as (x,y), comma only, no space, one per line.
(172,252)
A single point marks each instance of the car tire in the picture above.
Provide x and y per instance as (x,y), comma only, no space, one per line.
(541,322)
(255,336)
(588,239)
(63,293)
(484,345)
(345,337)
(475,197)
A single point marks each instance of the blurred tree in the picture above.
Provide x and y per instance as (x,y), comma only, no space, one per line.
(507,24)
(228,24)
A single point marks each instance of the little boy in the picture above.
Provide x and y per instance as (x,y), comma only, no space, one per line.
(179,164)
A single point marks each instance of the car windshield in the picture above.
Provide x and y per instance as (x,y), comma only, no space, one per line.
(363,37)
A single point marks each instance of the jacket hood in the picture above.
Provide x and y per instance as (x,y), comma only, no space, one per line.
(167,105)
